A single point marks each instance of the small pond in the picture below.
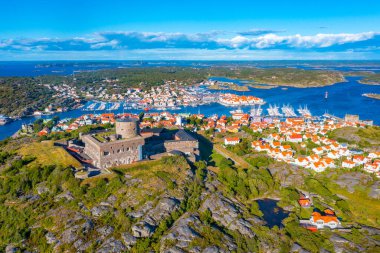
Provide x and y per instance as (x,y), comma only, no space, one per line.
(273,214)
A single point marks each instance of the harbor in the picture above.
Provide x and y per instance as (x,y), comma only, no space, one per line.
(344,98)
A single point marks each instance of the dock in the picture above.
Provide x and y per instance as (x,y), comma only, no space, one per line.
(327,115)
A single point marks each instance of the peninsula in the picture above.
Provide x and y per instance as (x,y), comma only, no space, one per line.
(371,79)
(371,95)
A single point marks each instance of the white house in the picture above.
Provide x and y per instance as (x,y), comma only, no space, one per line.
(348,164)
(333,155)
(231,140)
(318,166)
(327,219)
(301,161)
(318,150)
(295,137)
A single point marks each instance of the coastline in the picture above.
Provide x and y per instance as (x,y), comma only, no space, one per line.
(371,95)
(262,84)
(230,87)
(368,82)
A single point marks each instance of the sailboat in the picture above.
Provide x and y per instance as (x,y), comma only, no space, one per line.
(239,110)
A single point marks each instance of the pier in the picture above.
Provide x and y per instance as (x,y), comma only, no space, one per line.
(327,115)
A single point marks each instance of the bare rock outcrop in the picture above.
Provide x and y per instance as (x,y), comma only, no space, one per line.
(227,213)
(163,209)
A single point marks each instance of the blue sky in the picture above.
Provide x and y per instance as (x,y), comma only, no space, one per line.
(193,30)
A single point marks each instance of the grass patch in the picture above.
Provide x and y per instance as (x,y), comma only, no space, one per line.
(166,177)
(48,154)
(364,209)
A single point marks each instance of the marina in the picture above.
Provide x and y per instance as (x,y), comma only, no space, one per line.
(288,111)
(273,111)
(343,98)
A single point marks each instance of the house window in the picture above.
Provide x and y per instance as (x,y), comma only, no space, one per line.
(106,153)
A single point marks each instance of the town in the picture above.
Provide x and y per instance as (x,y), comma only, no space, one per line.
(302,142)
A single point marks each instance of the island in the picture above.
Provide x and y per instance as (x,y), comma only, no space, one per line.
(228,86)
(372,95)
(263,86)
(371,79)
(291,77)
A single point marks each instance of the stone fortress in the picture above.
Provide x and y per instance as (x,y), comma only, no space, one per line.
(123,147)
(128,145)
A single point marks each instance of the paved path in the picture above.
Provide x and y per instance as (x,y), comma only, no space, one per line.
(234,157)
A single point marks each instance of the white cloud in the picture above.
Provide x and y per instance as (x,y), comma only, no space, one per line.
(297,40)
(112,44)
(208,42)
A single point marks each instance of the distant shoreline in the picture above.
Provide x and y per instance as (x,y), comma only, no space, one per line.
(371,95)
(368,82)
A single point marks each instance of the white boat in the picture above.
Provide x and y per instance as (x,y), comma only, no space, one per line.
(237,111)
(304,111)
(102,106)
(273,111)
(4,120)
(114,107)
(90,107)
(256,111)
(288,111)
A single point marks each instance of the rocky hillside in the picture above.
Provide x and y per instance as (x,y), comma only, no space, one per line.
(171,205)
(367,138)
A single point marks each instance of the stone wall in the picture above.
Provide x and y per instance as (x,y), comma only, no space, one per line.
(186,147)
(92,148)
(108,154)
(127,128)
(126,151)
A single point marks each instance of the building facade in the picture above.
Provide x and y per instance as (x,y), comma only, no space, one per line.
(124,147)
(127,145)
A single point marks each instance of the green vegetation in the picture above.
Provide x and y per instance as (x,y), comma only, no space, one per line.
(48,154)
(21,95)
(283,76)
(39,194)
(366,138)
(244,183)
(229,86)
(371,78)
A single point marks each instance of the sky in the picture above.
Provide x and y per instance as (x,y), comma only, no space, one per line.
(189,30)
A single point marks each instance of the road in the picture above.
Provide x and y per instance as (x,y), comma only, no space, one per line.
(234,157)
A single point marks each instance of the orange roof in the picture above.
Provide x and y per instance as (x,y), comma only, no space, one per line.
(326,218)
(232,139)
(301,159)
(329,212)
(304,202)
(295,136)
(358,157)
(287,153)
(318,164)
(314,156)
(108,115)
(255,143)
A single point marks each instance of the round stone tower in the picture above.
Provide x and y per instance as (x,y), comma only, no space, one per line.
(127,128)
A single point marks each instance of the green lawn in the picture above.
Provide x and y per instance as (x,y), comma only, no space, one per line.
(48,154)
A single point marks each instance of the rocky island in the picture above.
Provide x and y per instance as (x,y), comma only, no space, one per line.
(372,95)
(371,79)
